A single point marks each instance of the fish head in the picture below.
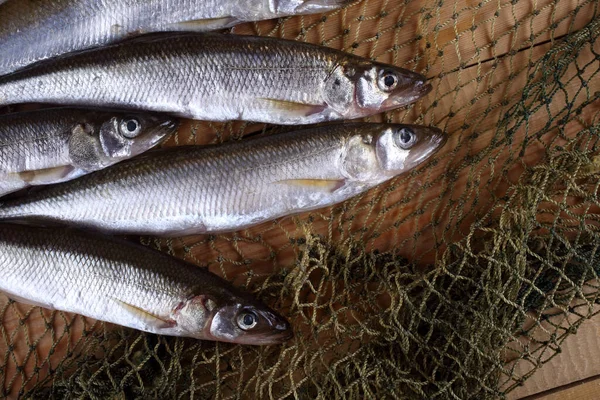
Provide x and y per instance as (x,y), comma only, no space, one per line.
(400,148)
(374,153)
(358,88)
(232,317)
(105,138)
(248,324)
(127,135)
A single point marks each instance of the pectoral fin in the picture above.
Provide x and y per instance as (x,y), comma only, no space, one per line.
(207,24)
(44,176)
(292,109)
(316,184)
(148,318)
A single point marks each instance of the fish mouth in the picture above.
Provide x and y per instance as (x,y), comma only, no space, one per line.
(423,89)
(281,331)
(440,140)
(264,339)
(428,148)
(437,142)
(170,126)
(276,338)
(159,134)
(406,97)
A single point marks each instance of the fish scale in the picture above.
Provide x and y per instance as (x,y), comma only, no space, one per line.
(228,187)
(219,78)
(19,140)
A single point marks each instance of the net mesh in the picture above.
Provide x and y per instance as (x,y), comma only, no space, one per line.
(457,280)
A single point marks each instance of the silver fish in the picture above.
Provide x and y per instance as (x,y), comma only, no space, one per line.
(57,145)
(130,285)
(220,77)
(189,190)
(32,31)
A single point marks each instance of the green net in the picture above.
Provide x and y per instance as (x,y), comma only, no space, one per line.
(458,280)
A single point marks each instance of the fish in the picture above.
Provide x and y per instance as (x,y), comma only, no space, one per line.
(56,145)
(222,188)
(124,283)
(220,77)
(33,31)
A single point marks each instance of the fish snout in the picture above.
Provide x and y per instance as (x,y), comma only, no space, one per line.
(284,331)
(422,88)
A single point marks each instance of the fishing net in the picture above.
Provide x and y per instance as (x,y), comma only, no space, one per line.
(458,280)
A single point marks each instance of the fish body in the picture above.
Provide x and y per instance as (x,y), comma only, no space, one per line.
(56,145)
(32,30)
(190,190)
(220,77)
(130,285)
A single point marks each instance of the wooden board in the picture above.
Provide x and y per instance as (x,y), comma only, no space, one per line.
(588,389)
(579,359)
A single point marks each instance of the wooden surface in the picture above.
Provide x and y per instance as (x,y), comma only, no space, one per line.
(462,65)
(588,389)
(579,359)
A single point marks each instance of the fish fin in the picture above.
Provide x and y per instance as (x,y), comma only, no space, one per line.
(44,176)
(328,185)
(207,24)
(293,109)
(148,318)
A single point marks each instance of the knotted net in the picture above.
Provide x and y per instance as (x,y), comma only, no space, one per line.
(458,280)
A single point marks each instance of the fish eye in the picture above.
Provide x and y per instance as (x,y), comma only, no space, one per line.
(387,80)
(130,128)
(247,320)
(405,138)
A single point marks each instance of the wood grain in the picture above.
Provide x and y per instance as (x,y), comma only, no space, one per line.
(588,389)
(579,358)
